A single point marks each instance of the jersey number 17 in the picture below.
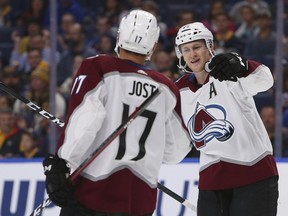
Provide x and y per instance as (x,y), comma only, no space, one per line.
(150,115)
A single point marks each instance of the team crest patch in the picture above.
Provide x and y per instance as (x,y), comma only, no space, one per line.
(208,123)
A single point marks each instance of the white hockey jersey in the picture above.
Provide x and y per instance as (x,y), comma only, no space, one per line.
(105,92)
(225,127)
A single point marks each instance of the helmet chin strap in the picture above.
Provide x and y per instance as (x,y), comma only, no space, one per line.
(183,67)
(212,52)
(206,67)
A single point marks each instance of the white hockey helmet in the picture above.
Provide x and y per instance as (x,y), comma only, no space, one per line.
(138,32)
(192,32)
(188,33)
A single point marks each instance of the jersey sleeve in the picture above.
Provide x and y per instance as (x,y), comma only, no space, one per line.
(86,113)
(178,143)
(259,79)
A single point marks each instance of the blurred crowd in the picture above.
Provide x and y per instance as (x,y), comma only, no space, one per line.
(88,27)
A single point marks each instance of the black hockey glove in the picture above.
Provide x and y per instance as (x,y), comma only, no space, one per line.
(58,187)
(228,66)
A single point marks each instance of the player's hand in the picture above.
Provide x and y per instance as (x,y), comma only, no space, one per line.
(58,187)
(229,66)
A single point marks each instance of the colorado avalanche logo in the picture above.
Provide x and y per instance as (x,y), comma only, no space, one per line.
(209,122)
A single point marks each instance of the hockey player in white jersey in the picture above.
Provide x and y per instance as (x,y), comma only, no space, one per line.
(122,180)
(238,174)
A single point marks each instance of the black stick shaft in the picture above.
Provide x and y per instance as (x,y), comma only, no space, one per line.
(30,104)
(180,199)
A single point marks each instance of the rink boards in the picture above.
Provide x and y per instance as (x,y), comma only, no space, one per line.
(22,188)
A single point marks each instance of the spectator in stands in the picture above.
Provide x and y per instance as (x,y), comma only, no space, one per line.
(4,101)
(37,90)
(21,43)
(67,21)
(112,10)
(28,146)
(9,134)
(35,11)
(162,60)
(39,42)
(161,45)
(63,7)
(164,63)
(106,45)
(267,115)
(6,14)
(34,60)
(181,19)
(257,5)
(12,78)
(103,26)
(225,40)
(76,47)
(262,46)
(247,26)
(216,7)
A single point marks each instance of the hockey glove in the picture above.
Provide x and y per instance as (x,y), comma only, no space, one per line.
(58,187)
(228,66)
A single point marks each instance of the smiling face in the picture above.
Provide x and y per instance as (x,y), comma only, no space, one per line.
(195,55)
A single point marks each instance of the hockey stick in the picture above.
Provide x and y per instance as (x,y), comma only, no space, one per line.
(49,116)
(180,199)
(31,105)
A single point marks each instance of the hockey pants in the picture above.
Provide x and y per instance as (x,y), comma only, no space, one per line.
(257,199)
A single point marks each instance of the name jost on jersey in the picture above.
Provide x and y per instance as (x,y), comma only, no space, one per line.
(141,89)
